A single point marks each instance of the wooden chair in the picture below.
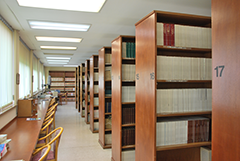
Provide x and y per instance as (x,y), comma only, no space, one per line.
(63,96)
(45,131)
(52,156)
(51,115)
(54,108)
(41,154)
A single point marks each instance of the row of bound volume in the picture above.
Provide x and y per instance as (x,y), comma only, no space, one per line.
(182,130)
(183,68)
(128,115)
(128,50)
(128,136)
(108,58)
(183,36)
(128,72)
(128,93)
(108,107)
(184,100)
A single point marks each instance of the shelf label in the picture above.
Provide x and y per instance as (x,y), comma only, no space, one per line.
(152,75)
(219,70)
(137,76)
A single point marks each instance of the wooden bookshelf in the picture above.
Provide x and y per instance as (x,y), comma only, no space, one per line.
(67,83)
(118,83)
(82,89)
(103,81)
(226,131)
(77,88)
(87,93)
(93,94)
(147,85)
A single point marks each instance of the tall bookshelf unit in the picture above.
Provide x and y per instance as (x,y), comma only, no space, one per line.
(147,85)
(226,111)
(82,89)
(77,88)
(87,91)
(121,148)
(65,82)
(105,98)
(94,100)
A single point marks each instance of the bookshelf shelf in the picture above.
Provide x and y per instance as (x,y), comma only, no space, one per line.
(123,87)
(185,89)
(128,125)
(104,87)
(59,80)
(87,94)
(185,114)
(183,146)
(94,124)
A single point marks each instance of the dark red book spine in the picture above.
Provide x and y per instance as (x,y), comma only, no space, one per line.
(190,133)
(165,34)
(172,35)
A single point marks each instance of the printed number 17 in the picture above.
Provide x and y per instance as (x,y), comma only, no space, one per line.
(218,67)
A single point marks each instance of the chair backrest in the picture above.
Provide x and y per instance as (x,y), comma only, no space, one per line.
(51,115)
(56,140)
(51,109)
(44,153)
(47,127)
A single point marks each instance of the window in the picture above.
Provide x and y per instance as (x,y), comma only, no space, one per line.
(6,65)
(40,76)
(35,74)
(24,71)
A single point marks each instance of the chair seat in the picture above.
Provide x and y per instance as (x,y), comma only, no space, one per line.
(38,156)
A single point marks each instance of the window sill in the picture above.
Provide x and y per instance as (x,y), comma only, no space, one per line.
(7,108)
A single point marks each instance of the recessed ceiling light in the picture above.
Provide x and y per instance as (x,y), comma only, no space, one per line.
(58,39)
(73,5)
(58,58)
(56,63)
(70,65)
(58,26)
(59,47)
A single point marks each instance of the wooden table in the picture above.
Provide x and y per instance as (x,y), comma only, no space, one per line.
(24,135)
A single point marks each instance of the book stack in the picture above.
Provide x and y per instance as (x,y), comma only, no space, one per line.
(108,91)
(183,130)
(108,139)
(128,114)
(108,71)
(128,72)
(96,114)
(69,79)
(128,136)
(108,58)
(128,155)
(95,76)
(57,84)
(184,100)
(183,68)
(4,144)
(183,36)
(128,50)
(128,93)
(95,88)
(96,101)
(108,107)
(69,84)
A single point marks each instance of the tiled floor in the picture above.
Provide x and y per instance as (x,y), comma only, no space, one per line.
(78,143)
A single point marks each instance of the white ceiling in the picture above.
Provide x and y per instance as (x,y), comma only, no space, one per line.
(117,17)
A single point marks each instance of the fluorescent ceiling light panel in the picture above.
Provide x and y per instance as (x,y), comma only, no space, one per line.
(58,26)
(70,65)
(58,58)
(73,5)
(56,63)
(58,39)
(59,47)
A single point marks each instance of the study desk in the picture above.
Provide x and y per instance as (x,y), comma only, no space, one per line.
(24,135)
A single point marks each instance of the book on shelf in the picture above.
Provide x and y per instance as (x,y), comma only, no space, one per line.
(108,107)
(83,69)
(182,130)
(96,113)
(108,71)
(128,136)
(108,58)
(128,72)
(83,112)
(57,84)
(128,93)
(205,154)
(183,100)
(108,91)
(95,76)
(128,115)
(108,139)
(96,101)
(108,122)
(128,50)
(183,36)
(96,125)
(95,88)
(128,155)
(183,68)
(56,79)
(69,79)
